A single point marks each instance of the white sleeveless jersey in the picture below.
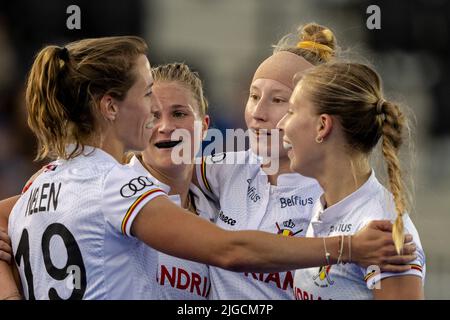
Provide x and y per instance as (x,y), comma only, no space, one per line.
(248,201)
(180,279)
(350,281)
(70,231)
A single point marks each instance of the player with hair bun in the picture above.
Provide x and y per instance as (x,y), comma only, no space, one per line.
(248,195)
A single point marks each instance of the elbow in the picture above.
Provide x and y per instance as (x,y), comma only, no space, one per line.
(232,263)
(235,258)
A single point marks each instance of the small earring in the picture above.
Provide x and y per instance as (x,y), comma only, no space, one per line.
(319,139)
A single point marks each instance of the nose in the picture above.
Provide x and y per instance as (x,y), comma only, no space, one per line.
(165,125)
(281,123)
(259,111)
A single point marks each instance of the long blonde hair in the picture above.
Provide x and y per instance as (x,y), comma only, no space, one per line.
(353,93)
(66,83)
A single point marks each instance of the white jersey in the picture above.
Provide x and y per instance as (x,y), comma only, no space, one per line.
(350,281)
(70,231)
(248,201)
(180,279)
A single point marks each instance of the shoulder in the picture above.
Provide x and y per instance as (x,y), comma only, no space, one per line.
(381,206)
(238,157)
(226,163)
(205,207)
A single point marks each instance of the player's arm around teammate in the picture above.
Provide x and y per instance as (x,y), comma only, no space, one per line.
(192,238)
(114,121)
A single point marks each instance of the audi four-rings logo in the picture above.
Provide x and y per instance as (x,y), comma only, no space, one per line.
(134,186)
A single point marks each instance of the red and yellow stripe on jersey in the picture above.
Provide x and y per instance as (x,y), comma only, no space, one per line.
(413,266)
(134,205)
(204,179)
(416,267)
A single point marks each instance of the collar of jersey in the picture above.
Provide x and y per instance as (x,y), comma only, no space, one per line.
(139,167)
(199,198)
(346,205)
(90,151)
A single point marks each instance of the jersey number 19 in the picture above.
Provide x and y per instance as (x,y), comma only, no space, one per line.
(74,258)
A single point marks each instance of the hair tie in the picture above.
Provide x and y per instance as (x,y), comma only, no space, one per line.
(379,107)
(63,54)
(311,45)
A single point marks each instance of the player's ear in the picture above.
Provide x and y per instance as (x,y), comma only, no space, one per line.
(324,127)
(109,107)
(205,126)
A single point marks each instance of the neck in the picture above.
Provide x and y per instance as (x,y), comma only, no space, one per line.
(114,149)
(342,176)
(108,142)
(178,180)
(284,167)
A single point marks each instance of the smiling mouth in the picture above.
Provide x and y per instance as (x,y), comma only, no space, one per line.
(287,145)
(167,144)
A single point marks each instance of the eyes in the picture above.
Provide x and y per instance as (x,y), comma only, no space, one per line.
(253,96)
(279,100)
(276,99)
(179,114)
(174,114)
(148,94)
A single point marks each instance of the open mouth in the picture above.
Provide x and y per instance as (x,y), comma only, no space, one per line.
(167,144)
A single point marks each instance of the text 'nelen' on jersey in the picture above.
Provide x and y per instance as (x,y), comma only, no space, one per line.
(43,198)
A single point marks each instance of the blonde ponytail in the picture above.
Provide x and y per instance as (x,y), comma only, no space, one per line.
(392,127)
(65,85)
(43,86)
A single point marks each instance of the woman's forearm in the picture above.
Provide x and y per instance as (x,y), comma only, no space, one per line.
(8,287)
(262,252)
(170,229)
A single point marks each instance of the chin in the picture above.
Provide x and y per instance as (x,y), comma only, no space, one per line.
(162,165)
(137,147)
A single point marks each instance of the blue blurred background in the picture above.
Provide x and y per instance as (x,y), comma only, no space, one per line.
(224,40)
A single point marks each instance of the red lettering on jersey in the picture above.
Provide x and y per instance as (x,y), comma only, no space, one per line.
(165,274)
(27,186)
(182,273)
(196,280)
(275,277)
(303,295)
(183,280)
(288,281)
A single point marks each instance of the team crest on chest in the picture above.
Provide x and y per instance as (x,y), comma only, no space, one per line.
(287,228)
(322,279)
